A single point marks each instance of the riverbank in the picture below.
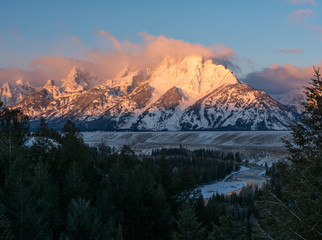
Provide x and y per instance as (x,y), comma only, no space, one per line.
(234,182)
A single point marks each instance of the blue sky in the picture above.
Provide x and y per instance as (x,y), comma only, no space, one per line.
(260,32)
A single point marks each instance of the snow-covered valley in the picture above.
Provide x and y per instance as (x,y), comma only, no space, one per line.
(253,146)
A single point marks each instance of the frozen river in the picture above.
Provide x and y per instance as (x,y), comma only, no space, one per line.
(234,182)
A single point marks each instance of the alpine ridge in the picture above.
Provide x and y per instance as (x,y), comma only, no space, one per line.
(11,94)
(190,93)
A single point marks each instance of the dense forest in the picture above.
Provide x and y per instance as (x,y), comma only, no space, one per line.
(57,187)
(60,188)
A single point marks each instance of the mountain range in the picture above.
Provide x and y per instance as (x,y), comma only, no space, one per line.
(191,93)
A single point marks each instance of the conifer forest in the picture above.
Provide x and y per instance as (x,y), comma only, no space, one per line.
(58,187)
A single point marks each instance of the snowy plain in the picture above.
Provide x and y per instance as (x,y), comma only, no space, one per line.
(254,146)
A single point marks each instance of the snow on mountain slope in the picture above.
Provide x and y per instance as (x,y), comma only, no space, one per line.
(293,98)
(47,101)
(52,89)
(11,94)
(163,114)
(237,106)
(178,93)
(76,81)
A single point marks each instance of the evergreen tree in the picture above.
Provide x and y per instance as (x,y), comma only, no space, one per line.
(296,213)
(14,128)
(230,229)
(5,231)
(84,223)
(23,207)
(188,226)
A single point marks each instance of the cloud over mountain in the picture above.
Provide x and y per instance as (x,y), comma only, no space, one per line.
(280,78)
(118,55)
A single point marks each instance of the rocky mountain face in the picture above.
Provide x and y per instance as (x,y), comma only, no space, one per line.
(11,94)
(189,93)
(294,98)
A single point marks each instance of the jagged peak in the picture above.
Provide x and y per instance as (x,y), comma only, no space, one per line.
(76,80)
(49,82)
(76,74)
(6,85)
(22,83)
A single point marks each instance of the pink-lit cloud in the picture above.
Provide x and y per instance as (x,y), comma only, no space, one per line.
(126,54)
(295,50)
(281,78)
(76,39)
(13,74)
(297,2)
(110,36)
(57,67)
(301,15)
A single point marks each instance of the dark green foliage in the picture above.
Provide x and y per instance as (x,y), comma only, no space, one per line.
(188,226)
(291,208)
(60,188)
(25,209)
(84,223)
(230,229)
(136,195)
(5,228)
(14,127)
(205,165)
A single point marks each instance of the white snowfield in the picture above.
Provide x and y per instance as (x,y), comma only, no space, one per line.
(254,146)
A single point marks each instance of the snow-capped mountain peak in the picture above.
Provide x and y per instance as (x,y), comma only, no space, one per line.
(54,90)
(49,83)
(11,94)
(192,74)
(195,76)
(22,83)
(186,93)
(76,80)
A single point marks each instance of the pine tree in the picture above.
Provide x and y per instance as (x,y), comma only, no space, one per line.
(83,222)
(188,226)
(22,206)
(14,128)
(296,214)
(230,229)
(5,231)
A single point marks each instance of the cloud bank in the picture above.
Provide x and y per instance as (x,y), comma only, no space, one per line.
(118,55)
(13,74)
(281,78)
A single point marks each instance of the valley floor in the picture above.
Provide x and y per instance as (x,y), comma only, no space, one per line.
(253,146)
